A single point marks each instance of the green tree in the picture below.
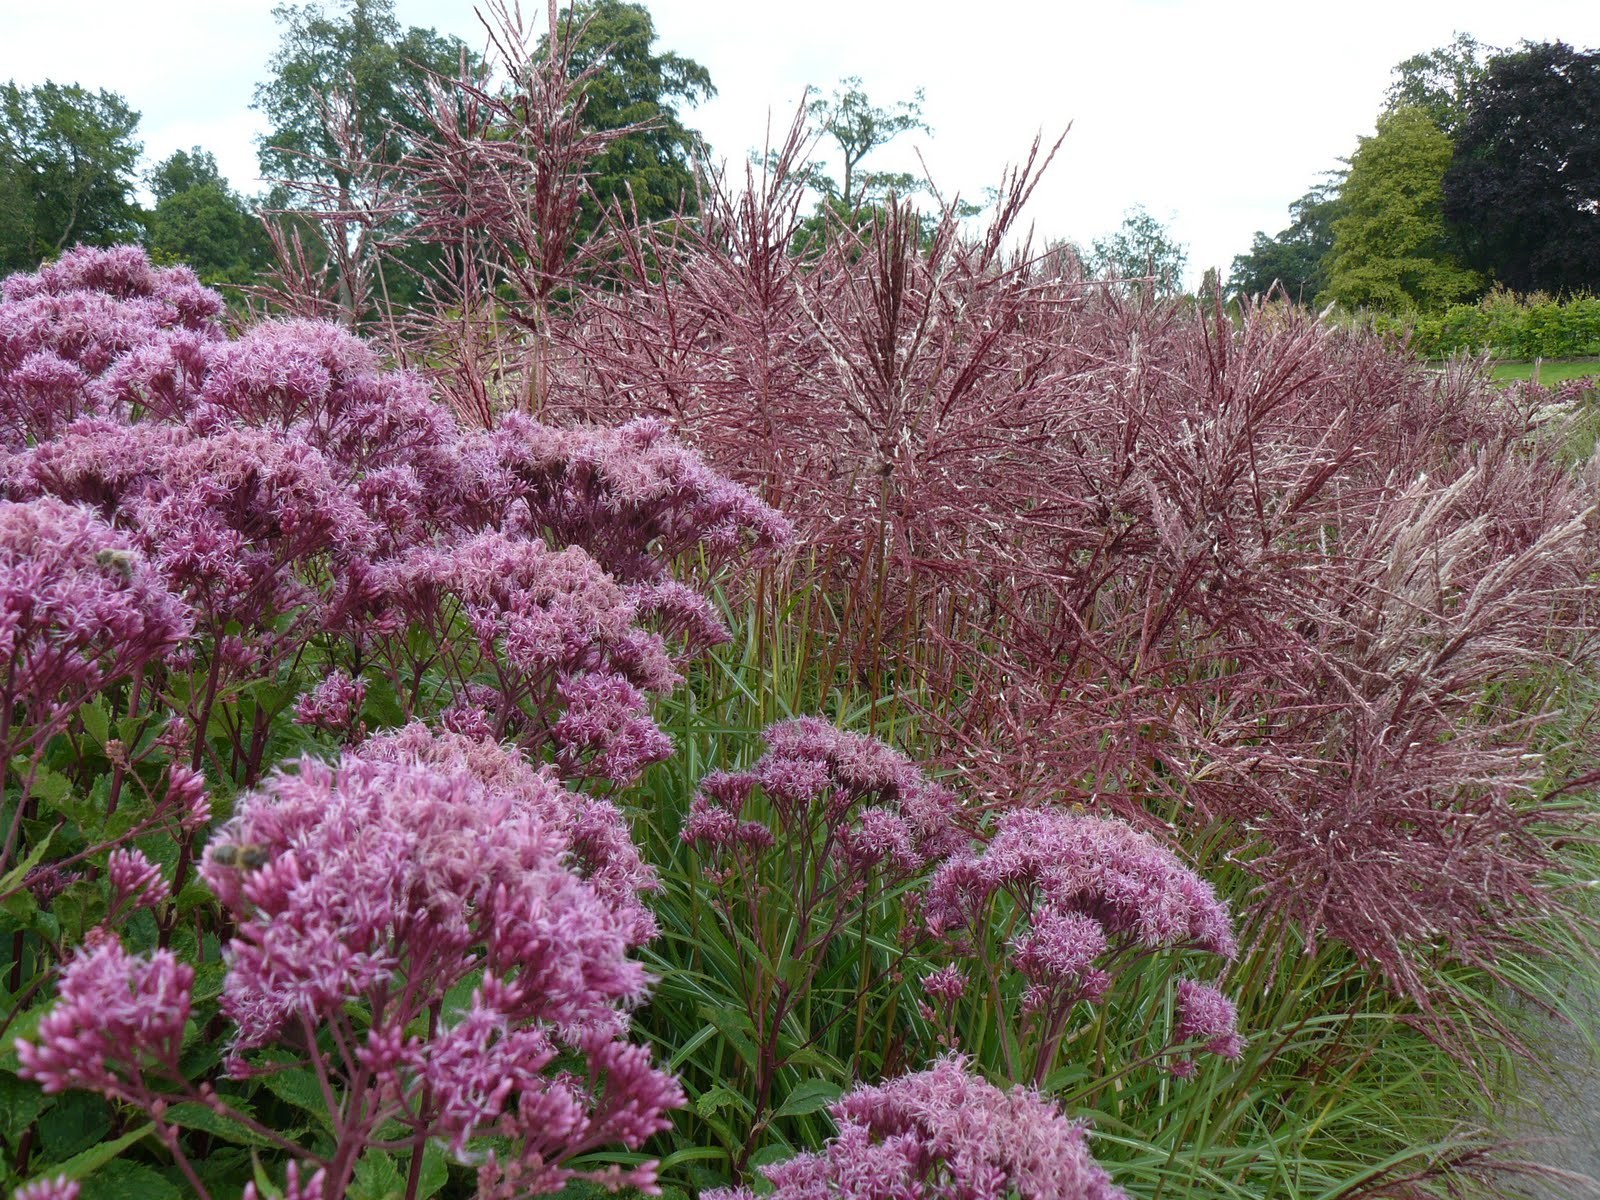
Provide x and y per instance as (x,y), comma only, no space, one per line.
(634,84)
(198,219)
(1296,258)
(67,158)
(1141,249)
(343,101)
(356,50)
(1523,187)
(1437,81)
(1391,248)
(857,127)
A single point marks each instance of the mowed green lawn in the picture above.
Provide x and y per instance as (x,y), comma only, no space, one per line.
(1552,371)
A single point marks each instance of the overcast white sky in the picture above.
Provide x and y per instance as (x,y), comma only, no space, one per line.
(1214,114)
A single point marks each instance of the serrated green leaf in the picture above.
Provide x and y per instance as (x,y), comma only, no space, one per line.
(300,1088)
(21,1102)
(377,1178)
(808,1097)
(15,876)
(96,721)
(198,1116)
(130,1181)
(714,1100)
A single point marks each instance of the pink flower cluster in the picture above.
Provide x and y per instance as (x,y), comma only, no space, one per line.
(943,1134)
(287,488)
(871,803)
(79,608)
(1086,891)
(411,866)
(114,1013)
(632,496)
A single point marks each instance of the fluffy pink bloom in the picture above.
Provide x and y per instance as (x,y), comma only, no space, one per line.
(334,704)
(79,608)
(1136,889)
(136,880)
(875,804)
(591,831)
(943,1134)
(1206,1015)
(633,497)
(57,1187)
(947,984)
(386,881)
(606,729)
(112,1010)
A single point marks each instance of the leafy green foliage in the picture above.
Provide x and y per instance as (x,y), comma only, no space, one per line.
(360,53)
(199,220)
(650,169)
(67,157)
(1391,247)
(1438,81)
(1296,258)
(1142,250)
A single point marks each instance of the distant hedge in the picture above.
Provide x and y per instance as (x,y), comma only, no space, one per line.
(1513,327)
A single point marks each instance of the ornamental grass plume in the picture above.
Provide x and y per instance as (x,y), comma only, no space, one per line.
(943,1134)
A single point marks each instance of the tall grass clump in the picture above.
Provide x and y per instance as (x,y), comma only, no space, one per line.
(671,712)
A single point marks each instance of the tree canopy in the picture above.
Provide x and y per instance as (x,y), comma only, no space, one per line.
(1391,247)
(1523,185)
(199,220)
(354,49)
(1141,248)
(636,85)
(1296,258)
(67,159)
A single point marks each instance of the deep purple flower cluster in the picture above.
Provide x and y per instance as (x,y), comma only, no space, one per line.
(943,1134)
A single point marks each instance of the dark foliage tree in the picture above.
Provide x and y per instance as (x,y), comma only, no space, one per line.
(650,169)
(1295,259)
(67,158)
(356,50)
(199,220)
(1523,186)
(346,98)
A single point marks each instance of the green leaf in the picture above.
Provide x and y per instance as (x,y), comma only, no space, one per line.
(300,1088)
(96,721)
(76,1123)
(95,1157)
(808,1097)
(718,1098)
(198,1116)
(21,1103)
(130,1181)
(15,876)
(377,1178)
